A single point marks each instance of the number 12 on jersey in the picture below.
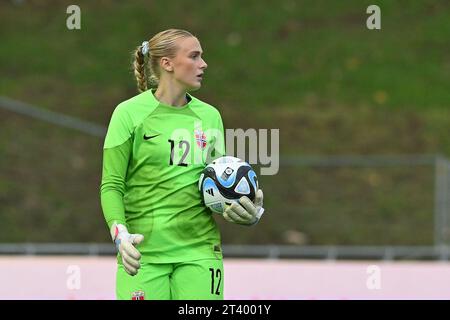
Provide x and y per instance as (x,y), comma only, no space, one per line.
(186,149)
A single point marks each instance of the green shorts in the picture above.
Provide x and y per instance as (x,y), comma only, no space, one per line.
(192,280)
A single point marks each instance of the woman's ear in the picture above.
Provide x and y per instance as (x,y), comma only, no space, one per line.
(166,64)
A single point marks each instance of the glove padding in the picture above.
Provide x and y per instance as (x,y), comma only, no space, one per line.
(125,244)
(247,212)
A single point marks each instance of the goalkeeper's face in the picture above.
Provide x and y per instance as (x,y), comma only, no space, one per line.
(188,64)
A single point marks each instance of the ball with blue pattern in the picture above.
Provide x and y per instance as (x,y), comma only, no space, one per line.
(226,180)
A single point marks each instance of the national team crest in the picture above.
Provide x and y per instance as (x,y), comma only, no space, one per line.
(138,295)
(200,138)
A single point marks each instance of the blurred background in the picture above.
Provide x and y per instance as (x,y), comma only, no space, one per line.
(363,117)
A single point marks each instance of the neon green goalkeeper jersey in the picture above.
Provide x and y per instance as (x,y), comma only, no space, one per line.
(153,156)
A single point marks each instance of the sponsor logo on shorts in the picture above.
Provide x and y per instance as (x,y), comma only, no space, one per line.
(138,295)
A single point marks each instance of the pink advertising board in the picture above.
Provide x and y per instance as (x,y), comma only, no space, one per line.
(81,277)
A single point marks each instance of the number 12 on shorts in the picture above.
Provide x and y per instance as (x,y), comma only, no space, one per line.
(215,275)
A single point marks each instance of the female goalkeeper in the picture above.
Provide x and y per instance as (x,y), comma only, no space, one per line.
(154,151)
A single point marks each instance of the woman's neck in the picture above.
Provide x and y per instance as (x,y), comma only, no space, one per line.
(171,96)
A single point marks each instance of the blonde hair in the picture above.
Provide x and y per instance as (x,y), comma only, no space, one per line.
(146,67)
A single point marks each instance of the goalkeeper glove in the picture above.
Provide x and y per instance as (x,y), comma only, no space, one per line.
(247,212)
(125,244)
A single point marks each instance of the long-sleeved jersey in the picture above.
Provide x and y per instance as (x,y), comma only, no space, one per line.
(153,156)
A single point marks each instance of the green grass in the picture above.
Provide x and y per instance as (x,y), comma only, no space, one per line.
(283,52)
(310,68)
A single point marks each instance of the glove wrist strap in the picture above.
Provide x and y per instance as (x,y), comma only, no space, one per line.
(260,212)
(116,231)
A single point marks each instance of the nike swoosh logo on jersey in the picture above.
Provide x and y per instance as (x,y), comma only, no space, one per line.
(150,137)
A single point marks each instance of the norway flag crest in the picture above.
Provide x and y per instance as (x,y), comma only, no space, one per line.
(200,138)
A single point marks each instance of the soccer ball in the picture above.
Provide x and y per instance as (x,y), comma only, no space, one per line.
(225,180)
